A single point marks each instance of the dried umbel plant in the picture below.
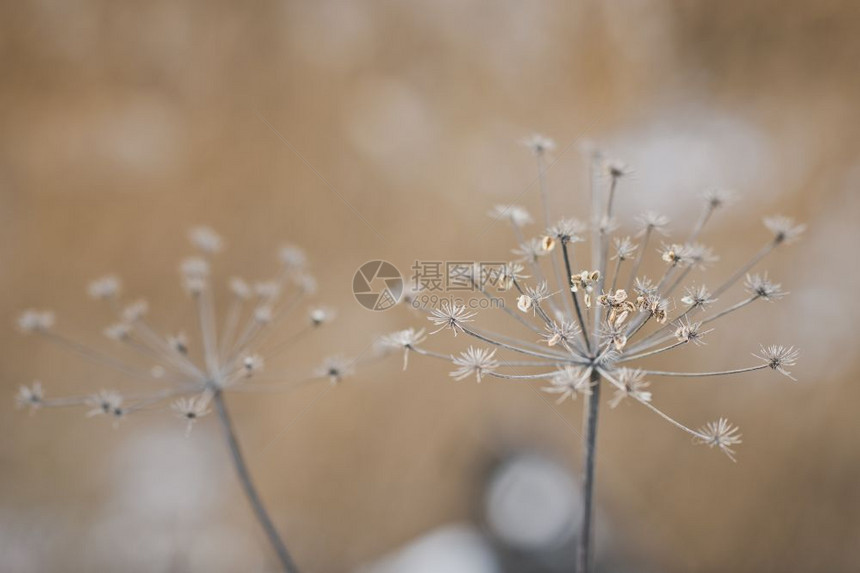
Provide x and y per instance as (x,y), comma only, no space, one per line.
(591,330)
(190,380)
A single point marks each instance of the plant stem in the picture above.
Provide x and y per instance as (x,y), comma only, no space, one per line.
(586,533)
(248,485)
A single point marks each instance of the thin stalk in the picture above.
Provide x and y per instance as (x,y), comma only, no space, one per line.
(700,224)
(615,274)
(701,374)
(653,352)
(639,256)
(544,199)
(585,537)
(514,348)
(745,268)
(262,515)
(575,298)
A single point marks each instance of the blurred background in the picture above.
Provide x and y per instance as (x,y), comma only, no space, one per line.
(386,130)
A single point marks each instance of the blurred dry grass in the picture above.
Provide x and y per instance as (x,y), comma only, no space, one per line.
(122,124)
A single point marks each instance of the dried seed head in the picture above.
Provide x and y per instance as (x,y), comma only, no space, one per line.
(784,229)
(206,240)
(616,169)
(321,315)
(530,250)
(506,275)
(31,396)
(336,368)
(568,230)
(514,214)
(691,332)
(105,403)
(720,434)
(524,303)
(644,286)
(585,281)
(716,198)
(253,364)
(562,332)
(401,340)
(105,288)
(624,248)
(761,287)
(178,342)
(477,361)
(135,311)
(539,144)
(240,288)
(450,316)
(698,297)
(779,358)
(293,258)
(568,382)
(614,334)
(632,384)
(194,268)
(652,221)
(700,256)
(35,321)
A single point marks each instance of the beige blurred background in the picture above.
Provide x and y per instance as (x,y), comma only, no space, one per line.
(123,124)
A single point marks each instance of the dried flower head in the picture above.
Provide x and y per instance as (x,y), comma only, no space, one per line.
(716,198)
(477,361)
(206,240)
(539,144)
(585,281)
(582,346)
(564,332)
(616,169)
(105,288)
(336,368)
(450,316)
(698,297)
(320,315)
(191,409)
(30,396)
(691,332)
(405,340)
(177,379)
(651,221)
(568,231)
(784,229)
(624,248)
(35,321)
(531,250)
(514,214)
(720,434)
(568,382)
(762,287)
(779,358)
(632,384)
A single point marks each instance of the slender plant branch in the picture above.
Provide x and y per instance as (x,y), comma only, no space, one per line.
(585,537)
(575,298)
(262,515)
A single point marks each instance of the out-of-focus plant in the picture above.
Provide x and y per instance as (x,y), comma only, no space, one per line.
(189,381)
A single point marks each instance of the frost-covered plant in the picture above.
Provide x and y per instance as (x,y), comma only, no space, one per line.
(187,380)
(601,319)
